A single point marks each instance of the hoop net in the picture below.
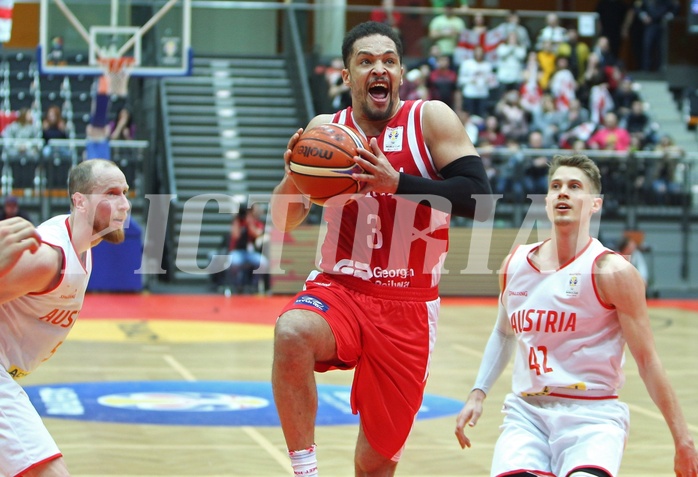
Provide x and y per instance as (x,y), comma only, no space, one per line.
(117,72)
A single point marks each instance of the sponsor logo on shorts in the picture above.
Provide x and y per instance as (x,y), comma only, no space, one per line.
(309,300)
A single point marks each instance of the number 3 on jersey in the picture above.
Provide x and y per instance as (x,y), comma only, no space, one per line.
(538,359)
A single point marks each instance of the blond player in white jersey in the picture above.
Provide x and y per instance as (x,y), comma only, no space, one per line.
(41,294)
(568,306)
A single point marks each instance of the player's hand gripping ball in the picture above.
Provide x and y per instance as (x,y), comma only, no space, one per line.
(322,164)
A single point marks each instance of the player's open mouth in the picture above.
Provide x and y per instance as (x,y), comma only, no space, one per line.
(379,91)
(562,207)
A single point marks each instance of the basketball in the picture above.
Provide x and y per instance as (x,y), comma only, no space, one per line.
(322,164)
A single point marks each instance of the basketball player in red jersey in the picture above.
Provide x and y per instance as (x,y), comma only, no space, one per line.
(568,306)
(373,306)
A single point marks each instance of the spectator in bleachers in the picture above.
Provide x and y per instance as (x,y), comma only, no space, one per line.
(11,208)
(445,29)
(575,126)
(22,129)
(491,133)
(443,81)
(611,136)
(122,128)
(513,118)
(387,14)
(576,52)
(546,62)
(531,90)
(414,84)
(511,56)
(600,102)
(536,167)
(653,14)
(624,96)
(552,32)
(53,125)
(563,85)
(547,121)
(337,91)
(664,176)
(472,128)
(640,126)
(511,174)
(475,79)
(513,25)
(612,14)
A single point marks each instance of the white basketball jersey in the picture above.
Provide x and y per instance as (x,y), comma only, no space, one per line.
(566,338)
(33,326)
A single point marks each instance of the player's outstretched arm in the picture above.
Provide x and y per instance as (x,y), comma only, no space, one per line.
(17,236)
(620,285)
(497,355)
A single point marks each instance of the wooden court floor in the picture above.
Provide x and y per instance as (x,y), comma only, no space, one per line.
(197,338)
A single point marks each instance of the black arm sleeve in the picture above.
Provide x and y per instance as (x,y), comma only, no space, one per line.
(463,178)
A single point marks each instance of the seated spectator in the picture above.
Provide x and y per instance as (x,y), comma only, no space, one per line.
(445,29)
(548,120)
(576,52)
(632,251)
(624,96)
(22,134)
(242,243)
(53,125)
(546,61)
(600,102)
(476,78)
(123,128)
(472,127)
(510,63)
(387,14)
(491,133)
(414,85)
(639,125)
(442,82)
(510,178)
(552,32)
(531,90)
(536,167)
(562,84)
(513,118)
(610,137)
(664,175)
(11,209)
(513,25)
(23,146)
(337,91)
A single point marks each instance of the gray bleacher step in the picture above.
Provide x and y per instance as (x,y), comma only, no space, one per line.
(254,91)
(234,71)
(193,110)
(194,120)
(265,122)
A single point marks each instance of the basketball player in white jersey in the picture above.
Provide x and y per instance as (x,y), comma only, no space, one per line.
(568,307)
(374,305)
(41,294)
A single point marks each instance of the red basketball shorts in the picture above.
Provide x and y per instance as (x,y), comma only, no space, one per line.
(386,334)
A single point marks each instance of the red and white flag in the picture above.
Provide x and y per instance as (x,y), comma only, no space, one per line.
(6,20)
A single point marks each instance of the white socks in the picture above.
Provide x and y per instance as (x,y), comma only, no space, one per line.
(304,462)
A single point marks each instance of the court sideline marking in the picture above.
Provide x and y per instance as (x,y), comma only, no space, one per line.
(252,433)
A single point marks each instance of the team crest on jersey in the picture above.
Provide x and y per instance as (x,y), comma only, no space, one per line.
(573,286)
(392,142)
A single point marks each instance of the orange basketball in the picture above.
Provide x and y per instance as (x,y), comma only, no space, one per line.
(322,164)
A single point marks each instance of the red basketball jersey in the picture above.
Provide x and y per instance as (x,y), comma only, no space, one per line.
(386,239)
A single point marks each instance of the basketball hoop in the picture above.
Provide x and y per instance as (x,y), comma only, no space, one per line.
(117,72)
